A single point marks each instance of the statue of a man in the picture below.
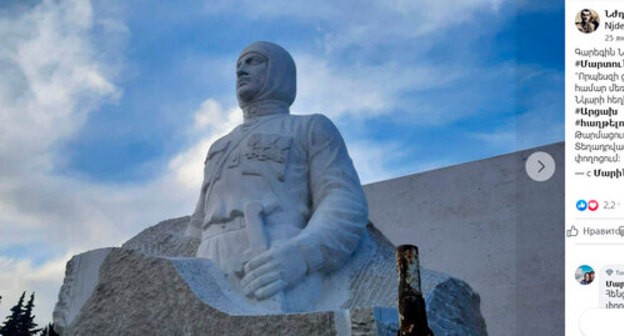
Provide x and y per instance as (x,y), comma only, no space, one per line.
(281,205)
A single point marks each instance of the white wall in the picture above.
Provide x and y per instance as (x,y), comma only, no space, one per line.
(488,223)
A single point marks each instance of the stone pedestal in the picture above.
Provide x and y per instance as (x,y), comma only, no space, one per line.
(152,286)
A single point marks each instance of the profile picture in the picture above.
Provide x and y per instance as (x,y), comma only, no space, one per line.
(587,21)
(584,275)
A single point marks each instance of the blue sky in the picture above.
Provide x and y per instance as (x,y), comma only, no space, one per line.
(108,107)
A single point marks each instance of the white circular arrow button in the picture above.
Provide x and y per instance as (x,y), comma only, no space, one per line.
(540,166)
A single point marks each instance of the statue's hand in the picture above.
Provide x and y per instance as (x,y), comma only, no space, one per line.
(273,271)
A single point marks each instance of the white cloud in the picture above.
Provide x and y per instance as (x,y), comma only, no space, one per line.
(51,81)
(211,116)
(19,275)
(52,78)
(212,121)
(54,75)
(278,8)
(379,21)
(537,126)
(539,6)
(374,161)
(505,137)
(538,120)
(359,90)
(364,23)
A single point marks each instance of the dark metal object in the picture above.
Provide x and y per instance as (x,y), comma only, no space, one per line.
(412,312)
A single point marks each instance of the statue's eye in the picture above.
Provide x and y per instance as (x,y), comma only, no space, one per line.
(255,59)
(251,60)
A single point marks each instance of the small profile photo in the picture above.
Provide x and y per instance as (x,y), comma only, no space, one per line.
(587,21)
(585,275)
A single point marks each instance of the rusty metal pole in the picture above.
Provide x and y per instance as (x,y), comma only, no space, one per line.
(412,313)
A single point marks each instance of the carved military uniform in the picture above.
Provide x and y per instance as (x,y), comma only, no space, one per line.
(296,167)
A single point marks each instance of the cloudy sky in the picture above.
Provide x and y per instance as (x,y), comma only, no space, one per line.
(107,107)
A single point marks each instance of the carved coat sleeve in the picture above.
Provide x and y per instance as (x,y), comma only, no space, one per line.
(197,218)
(339,208)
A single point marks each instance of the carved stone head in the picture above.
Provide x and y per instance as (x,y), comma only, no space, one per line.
(265,71)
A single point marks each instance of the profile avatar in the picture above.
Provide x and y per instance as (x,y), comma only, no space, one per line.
(585,275)
(587,21)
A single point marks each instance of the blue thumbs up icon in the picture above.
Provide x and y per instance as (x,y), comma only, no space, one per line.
(581,205)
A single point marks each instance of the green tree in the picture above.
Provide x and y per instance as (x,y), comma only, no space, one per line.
(10,326)
(49,330)
(26,325)
(21,321)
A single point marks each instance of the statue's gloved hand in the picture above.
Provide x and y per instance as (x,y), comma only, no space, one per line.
(273,271)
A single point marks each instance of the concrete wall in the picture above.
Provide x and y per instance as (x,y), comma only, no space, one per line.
(488,223)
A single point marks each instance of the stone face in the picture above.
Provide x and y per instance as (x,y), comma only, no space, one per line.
(143,289)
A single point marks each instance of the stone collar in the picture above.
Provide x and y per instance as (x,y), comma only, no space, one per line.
(264,108)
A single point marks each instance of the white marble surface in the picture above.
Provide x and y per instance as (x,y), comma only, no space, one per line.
(281,207)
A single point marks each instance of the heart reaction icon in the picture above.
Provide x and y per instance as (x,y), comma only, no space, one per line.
(592,205)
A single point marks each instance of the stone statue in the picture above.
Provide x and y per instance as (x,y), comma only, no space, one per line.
(281,206)
(281,226)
